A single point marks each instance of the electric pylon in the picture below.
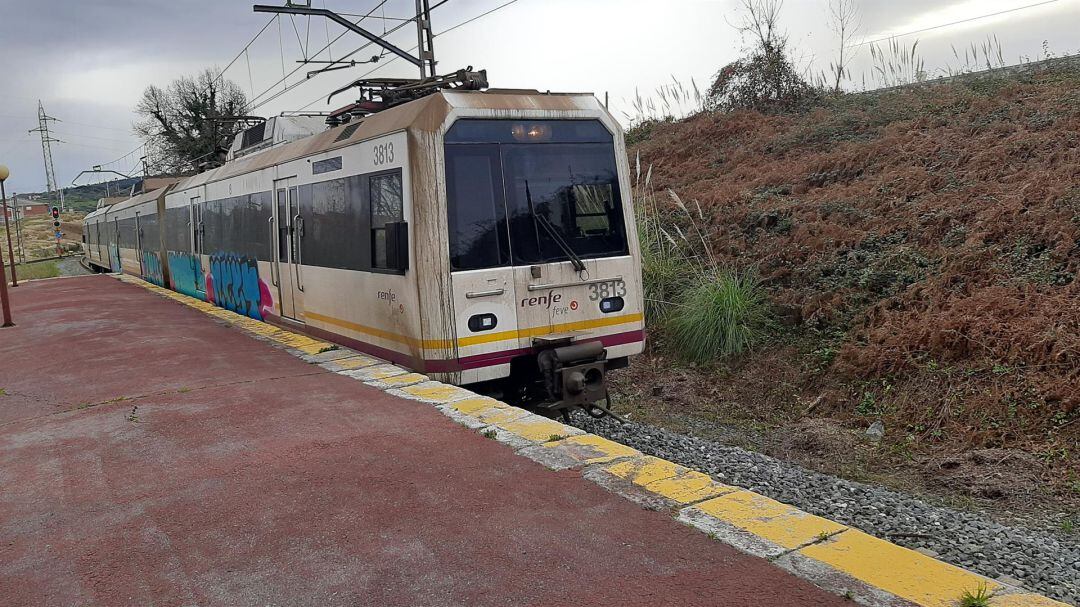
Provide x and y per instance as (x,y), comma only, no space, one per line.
(46,152)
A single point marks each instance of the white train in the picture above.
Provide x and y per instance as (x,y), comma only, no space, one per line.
(473,236)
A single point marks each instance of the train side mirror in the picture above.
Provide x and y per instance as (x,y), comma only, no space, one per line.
(397,246)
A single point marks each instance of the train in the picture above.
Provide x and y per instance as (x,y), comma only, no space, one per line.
(484,238)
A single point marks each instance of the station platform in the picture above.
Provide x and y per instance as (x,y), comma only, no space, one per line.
(151,454)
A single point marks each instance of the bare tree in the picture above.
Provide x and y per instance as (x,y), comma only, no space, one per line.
(845,19)
(188,122)
(765,78)
(761,19)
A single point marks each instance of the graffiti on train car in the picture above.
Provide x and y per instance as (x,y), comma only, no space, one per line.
(114,258)
(151,267)
(186,273)
(234,284)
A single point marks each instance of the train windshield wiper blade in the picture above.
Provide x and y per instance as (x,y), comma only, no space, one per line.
(543,222)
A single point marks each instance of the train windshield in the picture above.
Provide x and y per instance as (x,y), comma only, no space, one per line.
(538,192)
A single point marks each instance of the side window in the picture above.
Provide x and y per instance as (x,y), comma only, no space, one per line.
(475,210)
(386,208)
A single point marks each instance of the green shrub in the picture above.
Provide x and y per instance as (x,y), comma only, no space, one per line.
(725,314)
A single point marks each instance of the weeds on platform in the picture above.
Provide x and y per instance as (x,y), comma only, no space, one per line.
(980,598)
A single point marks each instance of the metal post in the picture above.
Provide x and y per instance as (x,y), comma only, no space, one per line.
(7,228)
(3,278)
(425,46)
(18,226)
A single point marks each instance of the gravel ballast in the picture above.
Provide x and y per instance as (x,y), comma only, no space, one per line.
(1036,560)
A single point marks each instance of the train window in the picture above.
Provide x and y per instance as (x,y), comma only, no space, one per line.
(283,222)
(385,195)
(326,166)
(177,236)
(567,192)
(334,224)
(151,238)
(477,218)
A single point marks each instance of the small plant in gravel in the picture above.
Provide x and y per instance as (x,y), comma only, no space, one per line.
(980,598)
(133,416)
(555,437)
(330,348)
(3,392)
(489,433)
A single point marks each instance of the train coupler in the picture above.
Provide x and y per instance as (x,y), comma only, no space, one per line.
(576,376)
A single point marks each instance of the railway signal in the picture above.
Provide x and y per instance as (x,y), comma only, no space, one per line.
(59,234)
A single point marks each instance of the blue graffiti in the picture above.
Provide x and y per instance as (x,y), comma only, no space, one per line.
(187,275)
(114,258)
(151,267)
(234,284)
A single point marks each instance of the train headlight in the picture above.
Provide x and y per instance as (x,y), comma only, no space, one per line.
(482,322)
(612,304)
(531,132)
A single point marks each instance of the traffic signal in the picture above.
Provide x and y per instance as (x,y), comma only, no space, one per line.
(56,212)
(56,223)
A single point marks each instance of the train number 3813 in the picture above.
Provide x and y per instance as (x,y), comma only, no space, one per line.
(383,154)
(603,290)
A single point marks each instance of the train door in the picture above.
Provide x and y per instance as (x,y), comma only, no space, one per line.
(198,235)
(482,278)
(139,245)
(287,253)
(114,247)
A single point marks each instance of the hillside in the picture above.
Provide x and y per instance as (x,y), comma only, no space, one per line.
(921,249)
(84,198)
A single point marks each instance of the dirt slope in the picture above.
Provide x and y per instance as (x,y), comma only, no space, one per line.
(927,241)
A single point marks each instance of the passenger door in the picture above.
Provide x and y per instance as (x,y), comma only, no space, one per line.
(139,245)
(198,235)
(287,261)
(482,280)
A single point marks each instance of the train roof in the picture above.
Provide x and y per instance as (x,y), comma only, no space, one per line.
(425,115)
(127,204)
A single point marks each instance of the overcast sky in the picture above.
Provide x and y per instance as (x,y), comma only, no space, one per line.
(88,62)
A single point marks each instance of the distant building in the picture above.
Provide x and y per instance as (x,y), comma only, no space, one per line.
(27,207)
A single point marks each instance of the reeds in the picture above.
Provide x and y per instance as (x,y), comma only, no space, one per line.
(704,309)
(987,56)
(896,64)
(672,101)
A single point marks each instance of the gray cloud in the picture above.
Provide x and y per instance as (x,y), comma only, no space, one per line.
(88,61)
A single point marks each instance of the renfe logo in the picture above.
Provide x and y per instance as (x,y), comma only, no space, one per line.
(544,300)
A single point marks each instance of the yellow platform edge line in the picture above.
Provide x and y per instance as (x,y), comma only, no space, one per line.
(891,569)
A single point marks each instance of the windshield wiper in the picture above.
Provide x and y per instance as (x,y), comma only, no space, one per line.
(553,233)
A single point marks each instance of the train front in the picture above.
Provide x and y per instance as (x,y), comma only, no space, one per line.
(544,257)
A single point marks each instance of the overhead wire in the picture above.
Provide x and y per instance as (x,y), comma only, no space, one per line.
(445,31)
(952,23)
(252,105)
(221,74)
